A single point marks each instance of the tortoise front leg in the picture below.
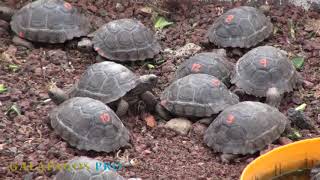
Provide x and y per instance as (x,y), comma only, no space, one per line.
(227,158)
(149,99)
(162,112)
(122,107)
(21,42)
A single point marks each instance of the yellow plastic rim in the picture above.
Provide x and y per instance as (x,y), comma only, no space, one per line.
(291,157)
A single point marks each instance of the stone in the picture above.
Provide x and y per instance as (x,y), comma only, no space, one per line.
(180,125)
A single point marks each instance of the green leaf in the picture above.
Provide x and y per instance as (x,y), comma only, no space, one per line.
(2,88)
(14,108)
(161,23)
(150,66)
(298,62)
(13,67)
(295,135)
(302,107)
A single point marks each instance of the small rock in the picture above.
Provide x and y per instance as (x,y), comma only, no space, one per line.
(308,84)
(187,50)
(119,7)
(38,71)
(13,149)
(284,140)
(180,125)
(102,12)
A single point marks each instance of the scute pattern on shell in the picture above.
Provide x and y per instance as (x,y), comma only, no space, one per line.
(245,128)
(125,40)
(87,171)
(49,21)
(246,27)
(78,121)
(198,95)
(206,63)
(255,77)
(105,81)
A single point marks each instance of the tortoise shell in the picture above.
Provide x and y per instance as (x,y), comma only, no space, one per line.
(88,124)
(242,27)
(262,68)
(125,40)
(84,168)
(105,81)
(206,63)
(198,95)
(49,21)
(245,128)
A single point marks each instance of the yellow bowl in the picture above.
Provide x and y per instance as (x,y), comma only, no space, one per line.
(298,155)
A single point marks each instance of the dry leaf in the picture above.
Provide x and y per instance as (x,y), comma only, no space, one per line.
(150,120)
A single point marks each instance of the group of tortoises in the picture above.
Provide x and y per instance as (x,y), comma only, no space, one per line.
(88,115)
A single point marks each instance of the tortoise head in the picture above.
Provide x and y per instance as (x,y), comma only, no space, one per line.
(146,83)
(6,13)
(56,94)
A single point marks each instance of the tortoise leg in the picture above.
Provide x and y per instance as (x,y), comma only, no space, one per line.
(100,58)
(239,91)
(273,97)
(162,112)
(149,99)
(122,108)
(21,42)
(227,158)
(206,121)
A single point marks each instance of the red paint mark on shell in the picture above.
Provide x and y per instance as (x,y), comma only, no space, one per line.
(230,119)
(163,102)
(264,62)
(229,18)
(196,67)
(104,118)
(216,82)
(68,6)
(21,34)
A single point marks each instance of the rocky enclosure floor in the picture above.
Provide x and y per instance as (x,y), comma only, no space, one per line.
(160,153)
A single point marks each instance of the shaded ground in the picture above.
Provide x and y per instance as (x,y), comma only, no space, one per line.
(162,154)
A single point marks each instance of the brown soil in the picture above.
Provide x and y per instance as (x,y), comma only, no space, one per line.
(162,153)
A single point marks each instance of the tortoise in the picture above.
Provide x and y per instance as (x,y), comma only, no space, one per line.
(123,40)
(46,21)
(84,168)
(195,95)
(315,173)
(245,128)
(242,27)
(111,83)
(89,124)
(266,71)
(212,63)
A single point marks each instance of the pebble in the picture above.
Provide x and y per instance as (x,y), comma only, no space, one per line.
(119,7)
(180,125)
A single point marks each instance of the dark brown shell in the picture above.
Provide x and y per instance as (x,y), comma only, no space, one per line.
(242,27)
(262,68)
(49,21)
(198,95)
(88,124)
(245,128)
(125,40)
